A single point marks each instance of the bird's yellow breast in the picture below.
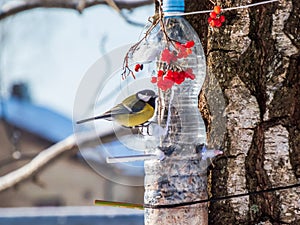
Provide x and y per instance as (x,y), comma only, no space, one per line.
(135,119)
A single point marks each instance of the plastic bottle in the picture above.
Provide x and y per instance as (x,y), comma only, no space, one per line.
(178,178)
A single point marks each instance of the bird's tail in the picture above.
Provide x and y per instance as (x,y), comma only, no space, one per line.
(92,118)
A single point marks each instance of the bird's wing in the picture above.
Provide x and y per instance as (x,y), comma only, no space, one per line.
(122,108)
(129,105)
(133,104)
(130,101)
(117,110)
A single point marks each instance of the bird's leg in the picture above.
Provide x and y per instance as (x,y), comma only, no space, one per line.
(148,132)
(148,128)
(141,130)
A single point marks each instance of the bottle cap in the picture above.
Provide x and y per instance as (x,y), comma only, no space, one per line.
(173,5)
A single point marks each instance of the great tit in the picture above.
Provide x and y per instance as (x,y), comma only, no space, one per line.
(134,111)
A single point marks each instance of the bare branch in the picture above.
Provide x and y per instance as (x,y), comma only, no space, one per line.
(112,4)
(47,156)
(13,7)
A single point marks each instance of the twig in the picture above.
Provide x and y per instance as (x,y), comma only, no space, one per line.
(156,19)
(112,4)
(126,69)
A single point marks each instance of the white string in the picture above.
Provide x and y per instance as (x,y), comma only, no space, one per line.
(226,9)
(158,155)
(131,158)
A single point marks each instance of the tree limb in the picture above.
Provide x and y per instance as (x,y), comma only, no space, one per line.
(112,4)
(13,7)
(46,156)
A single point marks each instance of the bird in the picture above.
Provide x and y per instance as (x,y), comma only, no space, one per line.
(133,111)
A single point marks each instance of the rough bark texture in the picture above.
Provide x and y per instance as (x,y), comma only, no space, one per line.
(253,67)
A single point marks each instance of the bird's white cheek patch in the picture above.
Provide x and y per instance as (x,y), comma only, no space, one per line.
(145,98)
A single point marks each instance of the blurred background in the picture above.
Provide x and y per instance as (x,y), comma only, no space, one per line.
(44,54)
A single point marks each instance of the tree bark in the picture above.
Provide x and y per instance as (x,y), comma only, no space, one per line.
(253,68)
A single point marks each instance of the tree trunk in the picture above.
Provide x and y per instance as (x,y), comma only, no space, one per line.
(249,103)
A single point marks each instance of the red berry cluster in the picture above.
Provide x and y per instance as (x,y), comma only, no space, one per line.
(215,18)
(165,80)
(174,75)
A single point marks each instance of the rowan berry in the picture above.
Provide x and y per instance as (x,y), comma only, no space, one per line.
(137,67)
(212,23)
(222,19)
(217,9)
(153,79)
(218,23)
(213,15)
(160,73)
(189,44)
